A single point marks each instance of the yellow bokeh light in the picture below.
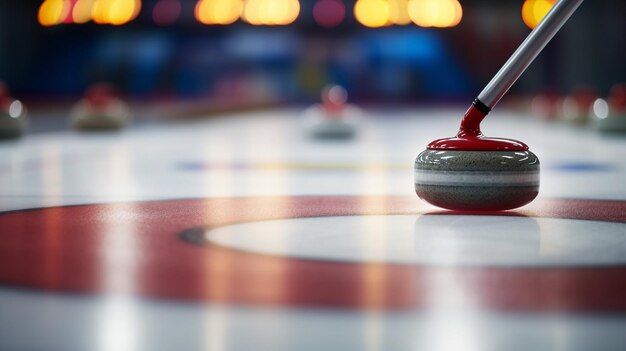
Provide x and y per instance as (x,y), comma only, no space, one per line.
(293,11)
(399,12)
(458,14)
(115,12)
(252,12)
(435,13)
(218,11)
(82,11)
(271,12)
(226,11)
(123,11)
(372,13)
(53,12)
(137,9)
(533,11)
(100,11)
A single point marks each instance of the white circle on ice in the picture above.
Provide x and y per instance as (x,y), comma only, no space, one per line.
(453,240)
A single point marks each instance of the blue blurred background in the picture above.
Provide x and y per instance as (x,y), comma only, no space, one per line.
(164,52)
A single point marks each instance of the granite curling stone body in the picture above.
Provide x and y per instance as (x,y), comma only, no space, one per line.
(477,180)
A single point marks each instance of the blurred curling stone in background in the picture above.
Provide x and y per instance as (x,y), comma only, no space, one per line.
(545,105)
(576,108)
(333,118)
(101,109)
(12,115)
(610,115)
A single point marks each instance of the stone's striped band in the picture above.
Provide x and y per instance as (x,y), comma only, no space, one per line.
(476,178)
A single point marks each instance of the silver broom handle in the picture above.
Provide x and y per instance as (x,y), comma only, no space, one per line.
(526,52)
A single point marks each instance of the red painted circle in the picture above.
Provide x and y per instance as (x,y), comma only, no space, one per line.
(85,249)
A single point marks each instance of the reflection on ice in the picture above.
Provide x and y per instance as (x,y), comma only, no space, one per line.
(475,240)
(55,322)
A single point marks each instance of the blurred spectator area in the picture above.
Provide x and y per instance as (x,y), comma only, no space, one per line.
(187,59)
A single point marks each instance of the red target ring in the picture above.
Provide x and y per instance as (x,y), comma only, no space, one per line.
(90,249)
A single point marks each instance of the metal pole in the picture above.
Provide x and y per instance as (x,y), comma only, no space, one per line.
(527,51)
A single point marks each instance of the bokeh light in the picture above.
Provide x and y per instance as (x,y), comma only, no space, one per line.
(372,13)
(435,13)
(100,11)
(399,12)
(15,109)
(271,12)
(115,12)
(253,11)
(218,11)
(166,12)
(533,11)
(53,12)
(284,11)
(329,13)
(81,13)
(600,108)
(69,12)
(123,11)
